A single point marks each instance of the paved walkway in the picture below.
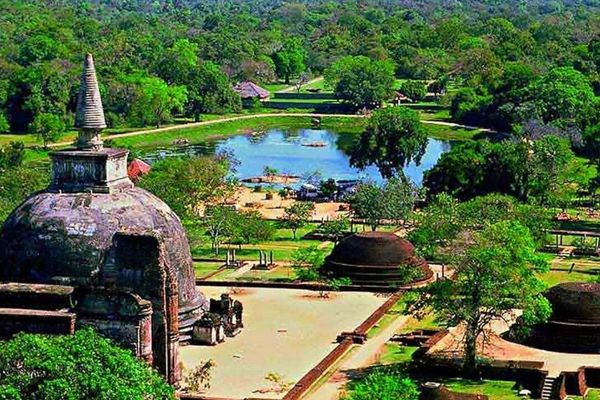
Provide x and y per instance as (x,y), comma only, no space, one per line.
(265,115)
(286,331)
(362,357)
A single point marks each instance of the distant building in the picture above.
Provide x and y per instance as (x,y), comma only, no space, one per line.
(401,98)
(249,91)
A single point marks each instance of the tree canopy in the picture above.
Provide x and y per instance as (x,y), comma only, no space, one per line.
(361,81)
(393,138)
(495,274)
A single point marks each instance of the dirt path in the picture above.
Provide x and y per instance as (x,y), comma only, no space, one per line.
(265,115)
(364,356)
(292,87)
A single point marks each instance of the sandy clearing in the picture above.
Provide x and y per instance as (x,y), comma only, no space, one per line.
(311,326)
(498,348)
(247,199)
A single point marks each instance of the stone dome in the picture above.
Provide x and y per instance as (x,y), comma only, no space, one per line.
(575,302)
(74,238)
(377,258)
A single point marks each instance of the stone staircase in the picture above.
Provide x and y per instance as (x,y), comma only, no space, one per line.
(548,388)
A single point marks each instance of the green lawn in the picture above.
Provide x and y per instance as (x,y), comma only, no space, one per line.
(204,268)
(280,273)
(320,84)
(453,133)
(586,269)
(394,353)
(495,390)
(283,246)
(396,311)
(275,87)
(206,132)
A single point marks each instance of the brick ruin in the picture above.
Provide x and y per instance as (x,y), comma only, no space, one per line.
(94,250)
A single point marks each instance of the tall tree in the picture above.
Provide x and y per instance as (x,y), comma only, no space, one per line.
(48,127)
(188,184)
(290,60)
(209,91)
(393,138)
(392,203)
(496,274)
(297,216)
(155,101)
(360,81)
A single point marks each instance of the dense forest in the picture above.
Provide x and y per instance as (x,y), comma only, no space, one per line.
(511,59)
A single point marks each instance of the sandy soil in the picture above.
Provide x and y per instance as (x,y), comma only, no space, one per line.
(247,199)
(500,349)
(286,332)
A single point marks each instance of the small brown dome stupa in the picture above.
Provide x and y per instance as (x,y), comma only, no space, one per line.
(377,258)
(574,326)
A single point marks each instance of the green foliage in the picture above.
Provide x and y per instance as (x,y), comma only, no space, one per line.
(16,183)
(335,227)
(414,90)
(444,220)
(393,138)
(4,126)
(501,252)
(393,202)
(11,155)
(210,91)
(328,188)
(361,81)
(296,216)
(531,170)
(250,227)
(186,184)
(155,101)
(561,94)
(307,262)
(383,385)
(48,128)
(220,221)
(290,60)
(82,366)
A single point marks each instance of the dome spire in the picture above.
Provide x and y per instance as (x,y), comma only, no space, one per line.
(89,118)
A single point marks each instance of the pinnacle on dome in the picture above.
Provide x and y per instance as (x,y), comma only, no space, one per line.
(90,113)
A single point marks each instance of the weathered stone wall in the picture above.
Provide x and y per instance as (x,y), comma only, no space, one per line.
(16,320)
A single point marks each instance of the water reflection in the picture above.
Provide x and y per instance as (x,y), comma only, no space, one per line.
(298,152)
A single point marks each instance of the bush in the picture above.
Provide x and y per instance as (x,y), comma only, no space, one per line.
(414,90)
(82,366)
(307,261)
(383,385)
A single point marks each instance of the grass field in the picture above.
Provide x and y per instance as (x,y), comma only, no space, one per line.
(586,269)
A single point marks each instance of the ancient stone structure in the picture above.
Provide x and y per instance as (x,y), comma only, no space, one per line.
(377,258)
(574,326)
(101,251)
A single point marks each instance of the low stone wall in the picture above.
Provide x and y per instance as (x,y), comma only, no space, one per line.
(16,320)
(300,286)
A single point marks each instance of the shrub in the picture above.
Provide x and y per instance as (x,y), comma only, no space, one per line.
(82,366)
(306,262)
(383,385)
